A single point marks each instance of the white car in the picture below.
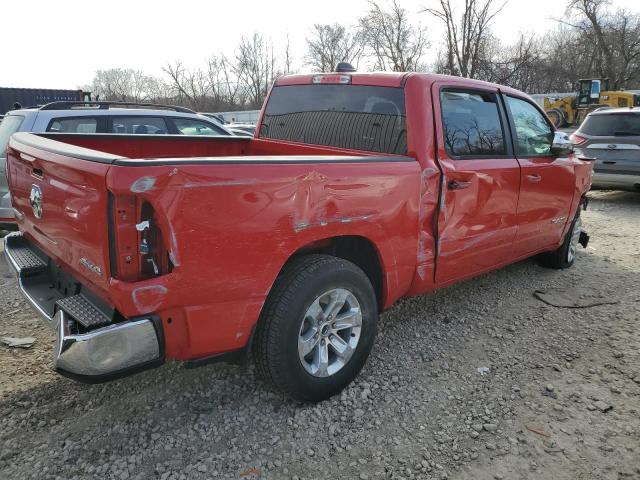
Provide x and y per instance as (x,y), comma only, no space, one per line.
(98,117)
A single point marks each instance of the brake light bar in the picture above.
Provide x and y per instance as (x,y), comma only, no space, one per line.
(331,79)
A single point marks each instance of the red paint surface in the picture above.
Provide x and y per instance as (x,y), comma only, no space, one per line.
(230,228)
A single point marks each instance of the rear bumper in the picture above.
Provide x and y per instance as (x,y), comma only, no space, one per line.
(616,181)
(90,347)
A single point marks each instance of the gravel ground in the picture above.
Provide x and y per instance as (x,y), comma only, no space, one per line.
(561,399)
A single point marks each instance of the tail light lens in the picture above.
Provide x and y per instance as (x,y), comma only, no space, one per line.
(136,246)
(577,139)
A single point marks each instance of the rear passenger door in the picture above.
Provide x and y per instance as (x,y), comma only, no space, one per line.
(547,183)
(481,179)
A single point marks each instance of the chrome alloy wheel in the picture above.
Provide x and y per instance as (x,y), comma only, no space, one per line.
(575,239)
(330,332)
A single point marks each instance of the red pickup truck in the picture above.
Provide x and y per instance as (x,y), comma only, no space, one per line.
(356,190)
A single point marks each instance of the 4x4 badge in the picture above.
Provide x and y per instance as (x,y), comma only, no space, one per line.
(35,198)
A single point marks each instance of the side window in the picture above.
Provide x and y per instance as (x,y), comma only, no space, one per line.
(472,125)
(139,125)
(188,126)
(534,134)
(73,125)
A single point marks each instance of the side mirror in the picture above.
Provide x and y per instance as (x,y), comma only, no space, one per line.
(561,145)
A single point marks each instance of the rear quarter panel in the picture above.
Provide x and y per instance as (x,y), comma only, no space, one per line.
(232,227)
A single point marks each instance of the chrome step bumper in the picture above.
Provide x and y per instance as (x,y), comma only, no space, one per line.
(90,347)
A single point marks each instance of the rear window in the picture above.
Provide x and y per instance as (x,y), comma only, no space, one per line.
(8,126)
(356,117)
(612,125)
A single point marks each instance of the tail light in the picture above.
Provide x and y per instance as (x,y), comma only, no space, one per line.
(136,246)
(577,139)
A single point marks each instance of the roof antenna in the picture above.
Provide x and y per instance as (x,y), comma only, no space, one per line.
(345,67)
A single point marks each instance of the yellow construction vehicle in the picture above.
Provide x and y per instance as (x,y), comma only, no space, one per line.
(593,93)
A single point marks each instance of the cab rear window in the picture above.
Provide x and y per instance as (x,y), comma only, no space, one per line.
(355,117)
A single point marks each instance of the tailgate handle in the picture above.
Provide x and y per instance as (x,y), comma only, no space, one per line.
(609,162)
(37,172)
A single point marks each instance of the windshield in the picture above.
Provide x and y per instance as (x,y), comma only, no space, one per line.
(8,126)
(612,125)
(346,116)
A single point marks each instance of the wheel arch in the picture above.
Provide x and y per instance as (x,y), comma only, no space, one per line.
(359,250)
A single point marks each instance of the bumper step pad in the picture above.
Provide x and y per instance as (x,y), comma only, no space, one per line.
(27,260)
(83,311)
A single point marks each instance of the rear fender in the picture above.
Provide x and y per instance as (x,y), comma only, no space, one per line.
(231,227)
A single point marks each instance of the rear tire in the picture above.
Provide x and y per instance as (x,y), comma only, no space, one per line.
(564,256)
(305,344)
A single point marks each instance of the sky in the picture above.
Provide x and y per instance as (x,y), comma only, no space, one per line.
(61,43)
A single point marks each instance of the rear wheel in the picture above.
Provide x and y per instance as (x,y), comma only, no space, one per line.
(564,256)
(317,327)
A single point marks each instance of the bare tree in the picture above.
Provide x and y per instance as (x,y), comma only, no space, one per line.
(614,39)
(592,13)
(514,65)
(125,85)
(625,38)
(467,35)
(255,67)
(394,42)
(226,89)
(288,60)
(329,45)
(190,87)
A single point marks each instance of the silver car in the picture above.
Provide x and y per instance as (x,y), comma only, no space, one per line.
(612,137)
(98,117)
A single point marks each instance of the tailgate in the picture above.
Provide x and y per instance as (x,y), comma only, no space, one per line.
(61,203)
(616,157)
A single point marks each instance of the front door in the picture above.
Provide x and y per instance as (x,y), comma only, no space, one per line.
(481,179)
(547,183)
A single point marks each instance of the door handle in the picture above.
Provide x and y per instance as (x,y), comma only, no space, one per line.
(609,162)
(455,185)
(534,178)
